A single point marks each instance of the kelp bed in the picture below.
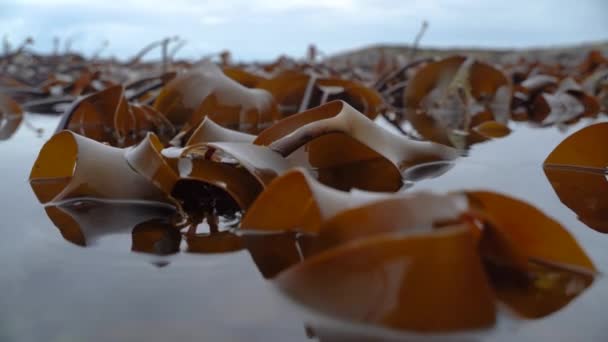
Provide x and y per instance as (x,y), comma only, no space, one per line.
(298,200)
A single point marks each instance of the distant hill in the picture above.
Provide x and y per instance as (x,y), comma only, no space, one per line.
(370,55)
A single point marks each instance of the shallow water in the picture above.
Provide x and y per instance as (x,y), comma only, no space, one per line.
(53,290)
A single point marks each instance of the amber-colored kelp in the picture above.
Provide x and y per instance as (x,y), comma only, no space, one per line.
(577,171)
(289,160)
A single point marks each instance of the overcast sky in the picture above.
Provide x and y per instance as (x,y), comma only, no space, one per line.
(263,29)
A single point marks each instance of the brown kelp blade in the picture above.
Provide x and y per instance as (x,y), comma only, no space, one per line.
(536,266)
(426,282)
(146,159)
(72,166)
(492,129)
(104,116)
(241,169)
(527,231)
(11,116)
(338,117)
(404,214)
(511,237)
(209,131)
(576,169)
(205,91)
(297,91)
(446,98)
(296,201)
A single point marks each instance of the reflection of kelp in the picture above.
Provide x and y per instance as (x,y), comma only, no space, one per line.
(585,192)
(217,242)
(84,223)
(577,171)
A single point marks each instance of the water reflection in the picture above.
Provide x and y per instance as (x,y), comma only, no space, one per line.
(585,192)
(148,227)
(157,236)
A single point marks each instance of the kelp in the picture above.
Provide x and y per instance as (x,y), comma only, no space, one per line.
(545,267)
(492,129)
(296,201)
(410,283)
(565,105)
(286,161)
(336,135)
(241,169)
(205,91)
(72,166)
(444,100)
(209,131)
(103,116)
(106,116)
(11,116)
(297,91)
(576,169)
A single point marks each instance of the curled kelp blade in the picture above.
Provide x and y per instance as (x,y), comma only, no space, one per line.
(206,91)
(576,169)
(214,178)
(296,91)
(104,116)
(446,98)
(263,163)
(11,116)
(244,77)
(585,149)
(403,214)
(339,160)
(86,222)
(72,166)
(541,290)
(146,159)
(520,229)
(241,169)
(425,282)
(548,100)
(536,265)
(209,131)
(145,89)
(338,117)
(296,201)
(563,107)
(148,119)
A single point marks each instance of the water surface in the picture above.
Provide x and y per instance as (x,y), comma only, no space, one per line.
(52,290)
